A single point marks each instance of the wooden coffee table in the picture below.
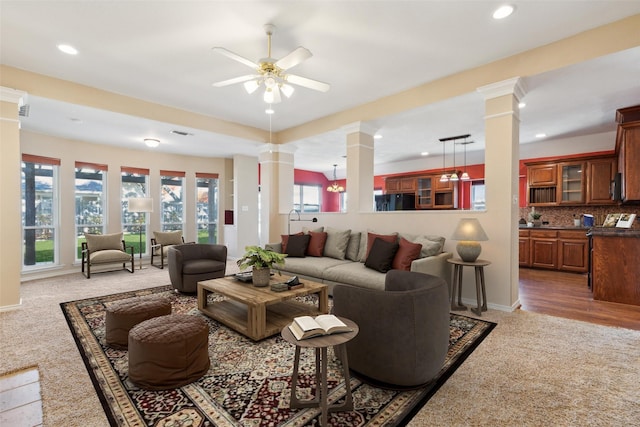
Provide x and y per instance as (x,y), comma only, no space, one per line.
(259,312)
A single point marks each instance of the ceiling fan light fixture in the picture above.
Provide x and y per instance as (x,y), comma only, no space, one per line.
(251,86)
(287,90)
(268,97)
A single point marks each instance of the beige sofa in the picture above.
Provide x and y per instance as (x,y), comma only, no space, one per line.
(344,263)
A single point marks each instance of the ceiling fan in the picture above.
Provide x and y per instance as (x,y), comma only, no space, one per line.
(272,73)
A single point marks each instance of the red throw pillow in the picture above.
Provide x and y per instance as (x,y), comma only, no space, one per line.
(371,237)
(407,252)
(285,240)
(316,244)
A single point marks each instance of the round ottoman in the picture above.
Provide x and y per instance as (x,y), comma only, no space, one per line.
(168,351)
(124,315)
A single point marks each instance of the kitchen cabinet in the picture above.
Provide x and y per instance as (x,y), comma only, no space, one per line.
(572,182)
(573,251)
(424,193)
(628,151)
(554,249)
(400,185)
(523,249)
(615,268)
(543,248)
(600,173)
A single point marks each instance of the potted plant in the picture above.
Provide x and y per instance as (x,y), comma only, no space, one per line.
(262,261)
(535,216)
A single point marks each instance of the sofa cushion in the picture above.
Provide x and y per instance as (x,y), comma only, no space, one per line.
(297,245)
(353,247)
(355,273)
(108,256)
(371,237)
(311,267)
(101,242)
(381,255)
(166,238)
(285,240)
(407,252)
(336,244)
(431,244)
(316,243)
(307,230)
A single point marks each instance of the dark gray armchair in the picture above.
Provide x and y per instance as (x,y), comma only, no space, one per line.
(404,330)
(191,263)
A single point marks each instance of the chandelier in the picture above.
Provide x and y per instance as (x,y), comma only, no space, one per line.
(335,188)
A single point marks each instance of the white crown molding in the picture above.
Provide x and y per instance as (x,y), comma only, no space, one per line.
(359,127)
(13,95)
(510,86)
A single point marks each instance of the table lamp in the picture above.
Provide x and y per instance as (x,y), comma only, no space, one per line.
(469,233)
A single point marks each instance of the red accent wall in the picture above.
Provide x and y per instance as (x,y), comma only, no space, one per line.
(330,201)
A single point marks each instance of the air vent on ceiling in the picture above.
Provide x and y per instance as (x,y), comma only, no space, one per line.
(181,133)
(24,111)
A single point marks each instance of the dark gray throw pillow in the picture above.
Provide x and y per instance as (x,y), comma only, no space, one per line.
(297,245)
(381,255)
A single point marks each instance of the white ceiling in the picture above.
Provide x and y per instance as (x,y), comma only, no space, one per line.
(160,51)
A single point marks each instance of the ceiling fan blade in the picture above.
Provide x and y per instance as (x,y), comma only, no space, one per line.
(236,80)
(295,57)
(308,83)
(236,57)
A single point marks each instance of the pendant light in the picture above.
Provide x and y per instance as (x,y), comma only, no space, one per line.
(465,176)
(444,177)
(335,188)
(454,175)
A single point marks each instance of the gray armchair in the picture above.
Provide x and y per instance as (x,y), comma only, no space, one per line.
(103,249)
(192,263)
(404,330)
(160,243)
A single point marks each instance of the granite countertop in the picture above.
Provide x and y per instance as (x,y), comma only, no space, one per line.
(615,232)
(554,227)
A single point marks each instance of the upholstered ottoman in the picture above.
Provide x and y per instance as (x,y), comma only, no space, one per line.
(124,315)
(168,351)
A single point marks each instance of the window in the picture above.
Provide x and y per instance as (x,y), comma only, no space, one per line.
(478,201)
(307,198)
(207,207)
(171,202)
(39,211)
(134,224)
(90,201)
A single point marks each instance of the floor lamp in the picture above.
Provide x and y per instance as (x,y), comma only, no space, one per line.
(141,205)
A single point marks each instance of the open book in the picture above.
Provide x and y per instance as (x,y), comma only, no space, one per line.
(306,326)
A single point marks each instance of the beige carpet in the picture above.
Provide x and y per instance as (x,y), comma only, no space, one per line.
(532,370)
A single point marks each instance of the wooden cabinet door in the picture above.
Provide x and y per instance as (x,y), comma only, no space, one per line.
(543,175)
(392,185)
(631,159)
(600,173)
(407,185)
(523,249)
(544,249)
(571,188)
(424,193)
(573,251)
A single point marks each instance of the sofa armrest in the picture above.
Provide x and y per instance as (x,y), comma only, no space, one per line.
(436,265)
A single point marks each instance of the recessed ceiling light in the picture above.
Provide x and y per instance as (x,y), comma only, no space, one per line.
(522,105)
(151,143)
(68,49)
(377,136)
(541,135)
(424,153)
(503,11)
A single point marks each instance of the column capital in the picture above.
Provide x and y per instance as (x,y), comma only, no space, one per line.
(12,95)
(514,86)
(277,148)
(359,127)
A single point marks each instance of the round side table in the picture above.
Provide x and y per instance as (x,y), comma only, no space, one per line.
(456,286)
(320,344)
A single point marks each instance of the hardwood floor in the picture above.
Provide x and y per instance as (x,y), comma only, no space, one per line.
(567,295)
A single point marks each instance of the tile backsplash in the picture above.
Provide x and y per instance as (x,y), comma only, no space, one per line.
(564,215)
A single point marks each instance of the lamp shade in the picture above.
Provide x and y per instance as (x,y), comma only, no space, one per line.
(140,204)
(469,232)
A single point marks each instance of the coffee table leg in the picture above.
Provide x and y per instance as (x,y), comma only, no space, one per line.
(323,300)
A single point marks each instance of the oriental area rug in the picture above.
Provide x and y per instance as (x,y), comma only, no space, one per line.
(248,383)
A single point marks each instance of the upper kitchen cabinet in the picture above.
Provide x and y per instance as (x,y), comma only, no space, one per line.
(600,173)
(628,151)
